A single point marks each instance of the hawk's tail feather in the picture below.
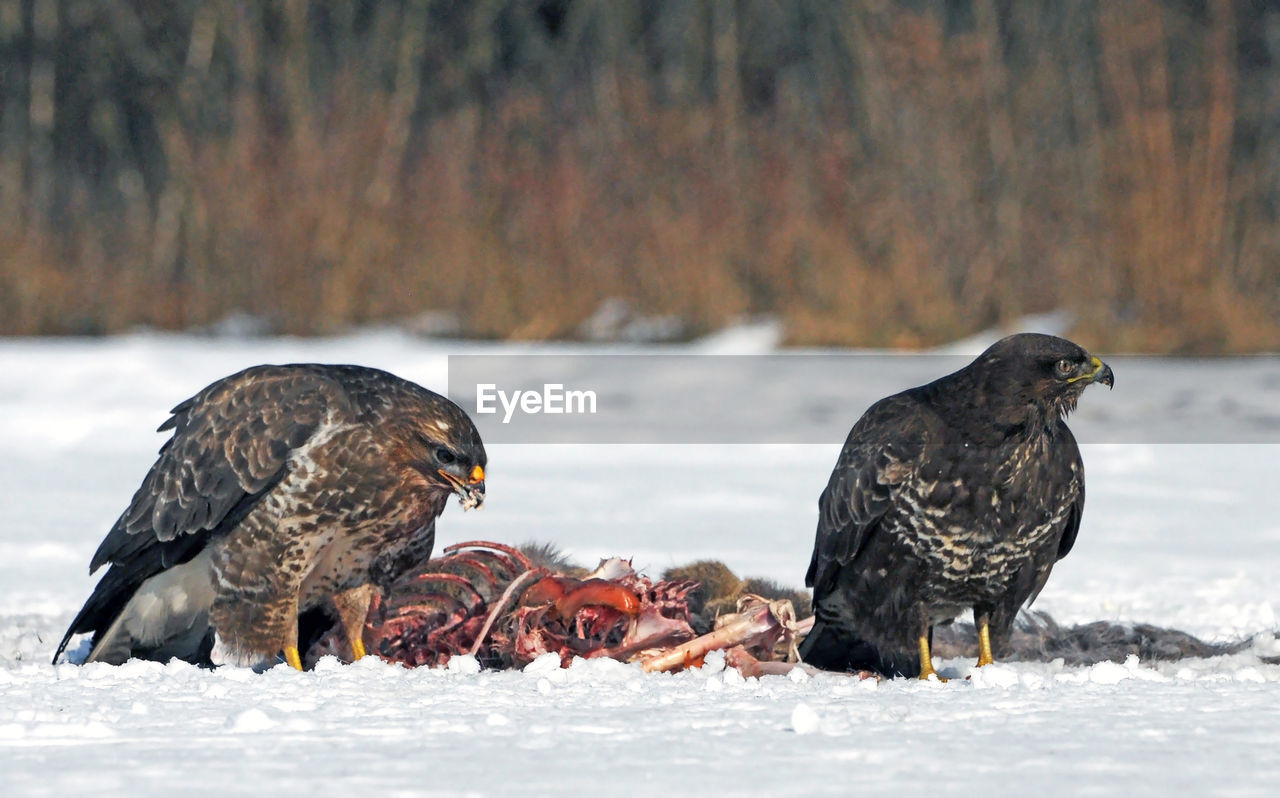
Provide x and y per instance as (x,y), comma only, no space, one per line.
(166,616)
(120,583)
(103,606)
(834,649)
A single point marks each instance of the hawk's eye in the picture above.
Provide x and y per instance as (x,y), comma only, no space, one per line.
(445,457)
(1063,367)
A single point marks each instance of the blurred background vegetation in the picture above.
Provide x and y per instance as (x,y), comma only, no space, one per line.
(879,172)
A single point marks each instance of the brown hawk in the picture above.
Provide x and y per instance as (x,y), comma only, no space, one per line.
(283,488)
(960,494)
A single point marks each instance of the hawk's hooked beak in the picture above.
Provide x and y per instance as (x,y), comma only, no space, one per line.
(1101,373)
(471,491)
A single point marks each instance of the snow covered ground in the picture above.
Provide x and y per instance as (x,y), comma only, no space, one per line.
(1176,533)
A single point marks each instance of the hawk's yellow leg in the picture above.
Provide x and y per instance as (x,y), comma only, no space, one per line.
(926,661)
(353,608)
(291,654)
(984,643)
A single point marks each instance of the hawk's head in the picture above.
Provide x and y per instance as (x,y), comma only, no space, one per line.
(443,445)
(1037,376)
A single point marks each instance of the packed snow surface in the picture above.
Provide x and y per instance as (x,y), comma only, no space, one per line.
(1184,535)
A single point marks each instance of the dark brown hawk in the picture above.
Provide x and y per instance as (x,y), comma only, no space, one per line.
(960,494)
(283,488)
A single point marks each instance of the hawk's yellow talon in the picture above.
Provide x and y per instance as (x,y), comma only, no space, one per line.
(292,657)
(357,648)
